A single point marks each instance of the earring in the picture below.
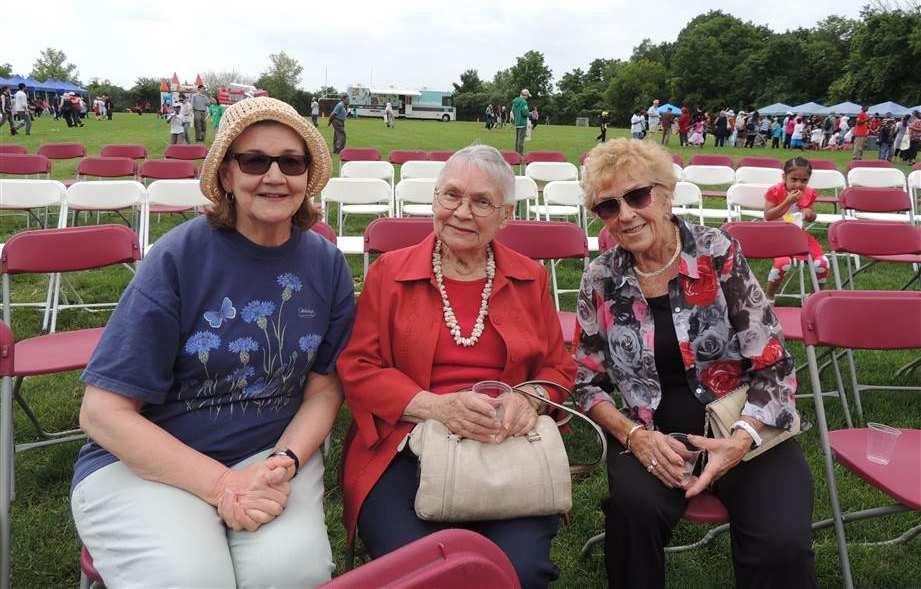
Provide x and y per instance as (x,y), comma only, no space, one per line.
(229,196)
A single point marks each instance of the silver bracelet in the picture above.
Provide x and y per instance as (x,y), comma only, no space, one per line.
(747,428)
(629,434)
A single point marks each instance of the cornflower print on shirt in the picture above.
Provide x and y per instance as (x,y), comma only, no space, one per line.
(201,343)
(258,312)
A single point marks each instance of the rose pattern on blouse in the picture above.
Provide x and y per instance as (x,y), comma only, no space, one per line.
(728,334)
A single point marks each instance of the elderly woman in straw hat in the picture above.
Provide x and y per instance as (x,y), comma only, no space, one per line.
(673,319)
(214,384)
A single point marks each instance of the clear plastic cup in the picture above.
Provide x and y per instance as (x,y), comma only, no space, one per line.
(494,389)
(689,453)
(881,442)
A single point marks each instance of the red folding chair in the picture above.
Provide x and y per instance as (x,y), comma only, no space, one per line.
(878,204)
(132,151)
(6,449)
(325,230)
(383,235)
(52,251)
(820,164)
(13,148)
(544,156)
(440,156)
(869,164)
(863,320)
(401,156)
(761,162)
(359,154)
(17,164)
(181,151)
(605,240)
(62,151)
(448,559)
(676,158)
(512,158)
(106,167)
(703,159)
(167,170)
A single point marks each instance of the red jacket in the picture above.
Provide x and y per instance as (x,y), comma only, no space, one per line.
(389,358)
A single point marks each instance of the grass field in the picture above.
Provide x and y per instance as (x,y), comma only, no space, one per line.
(45,547)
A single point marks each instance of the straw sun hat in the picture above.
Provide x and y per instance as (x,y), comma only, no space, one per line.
(241,115)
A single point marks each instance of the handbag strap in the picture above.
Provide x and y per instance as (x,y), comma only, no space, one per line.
(577,468)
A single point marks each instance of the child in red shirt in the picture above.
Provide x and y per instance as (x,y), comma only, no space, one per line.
(786,200)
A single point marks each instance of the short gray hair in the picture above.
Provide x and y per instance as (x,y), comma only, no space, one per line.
(488,159)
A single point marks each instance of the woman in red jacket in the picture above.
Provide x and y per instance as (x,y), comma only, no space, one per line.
(434,319)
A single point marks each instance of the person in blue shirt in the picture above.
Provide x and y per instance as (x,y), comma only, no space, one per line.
(337,120)
(213,386)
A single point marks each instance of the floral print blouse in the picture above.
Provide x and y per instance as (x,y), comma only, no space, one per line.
(727,332)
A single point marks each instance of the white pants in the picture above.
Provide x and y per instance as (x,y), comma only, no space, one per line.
(146,534)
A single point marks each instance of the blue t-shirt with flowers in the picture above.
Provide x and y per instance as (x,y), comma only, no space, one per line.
(216,336)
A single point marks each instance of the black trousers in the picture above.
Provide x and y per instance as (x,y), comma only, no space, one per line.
(769,500)
(388,521)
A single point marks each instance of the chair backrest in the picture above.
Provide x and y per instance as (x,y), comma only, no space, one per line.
(13,148)
(874,238)
(914,180)
(359,154)
(760,162)
(62,151)
(420,169)
(747,196)
(868,164)
(440,156)
(107,167)
(449,559)
(750,175)
(704,159)
(7,348)
(512,158)
(24,164)
(417,190)
(69,250)
(863,319)
(167,170)
(679,171)
(545,240)
(356,190)
(563,192)
(325,231)
(176,193)
(550,171)
(820,164)
(387,234)
(876,177)
(30,194)
(544,156)
(106,195)
(677,160)
(525,188)
(367,169)
(401,156)
(821,179)
(181,151)
(770,239)
(685,194)
(129,150)
(874,200)
(707,174)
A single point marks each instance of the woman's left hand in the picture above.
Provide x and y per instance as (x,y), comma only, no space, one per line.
(519,416)
(722,455)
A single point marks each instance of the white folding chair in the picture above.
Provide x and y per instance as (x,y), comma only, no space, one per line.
(914,186)
(704,176)
(746,200)
(361,169)
(27,195)
(414,197)
(178,194)
(420,169)
(357,196)
(679,172)
(526,190)
(543,172)
(751,175)
(876,178)
(688,200)
(562,198)
(827,180)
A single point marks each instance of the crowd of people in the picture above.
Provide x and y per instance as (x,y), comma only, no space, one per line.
(18,109)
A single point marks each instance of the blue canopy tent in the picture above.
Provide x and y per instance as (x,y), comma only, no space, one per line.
(675,110)
(778,108)
(889,107)
(844,108)
(809,108)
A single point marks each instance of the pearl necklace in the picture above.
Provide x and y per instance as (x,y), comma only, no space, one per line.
(667,264)
(450,319)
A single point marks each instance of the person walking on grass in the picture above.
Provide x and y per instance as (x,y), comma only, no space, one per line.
(652,118)
(200,103)
(860,132)
(6,109)
(520,113)
(177,126)
(314,111)
(337,121)
(21,109)
(603,135)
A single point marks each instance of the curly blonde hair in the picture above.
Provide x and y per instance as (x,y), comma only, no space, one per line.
(625,157)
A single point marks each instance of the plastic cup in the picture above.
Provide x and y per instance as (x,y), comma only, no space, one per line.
(494,389)
(688,452)
(881,442)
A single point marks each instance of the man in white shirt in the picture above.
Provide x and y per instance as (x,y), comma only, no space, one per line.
(21,109)
(636,124)
(314,111)
(388,114)
(186,111)
(652,117)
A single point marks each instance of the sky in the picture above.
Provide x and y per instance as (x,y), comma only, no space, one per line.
(402,43)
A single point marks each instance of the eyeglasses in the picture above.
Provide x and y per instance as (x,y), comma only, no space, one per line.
(638,198)
(480,206)
(259,163)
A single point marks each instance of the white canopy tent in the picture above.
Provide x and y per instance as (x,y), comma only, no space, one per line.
(890,107)
(843,108)
(809,108)
(778,108)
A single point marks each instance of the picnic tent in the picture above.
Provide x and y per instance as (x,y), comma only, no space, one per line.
(48,86)
(888,108)
(844,108)
(668,106)
(809,108)
(778,108)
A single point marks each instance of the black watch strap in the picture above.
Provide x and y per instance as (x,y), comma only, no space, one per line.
(290,454)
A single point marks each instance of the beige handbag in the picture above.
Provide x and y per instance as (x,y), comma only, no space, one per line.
(726,410)
(466,480)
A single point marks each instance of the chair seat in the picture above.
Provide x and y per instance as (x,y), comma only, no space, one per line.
(567,325)
(55,352)
(900,479)
(901,258)
(166,209)
(86,565)
(351,244)
(790,322)
(706,508)
(417,210)
(366,209)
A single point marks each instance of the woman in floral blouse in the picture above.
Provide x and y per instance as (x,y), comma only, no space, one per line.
(673,319)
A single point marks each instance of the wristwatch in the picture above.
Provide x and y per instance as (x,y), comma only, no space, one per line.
(290,454)
(744,425)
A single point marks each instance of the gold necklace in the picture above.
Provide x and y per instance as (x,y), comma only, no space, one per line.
(668,264)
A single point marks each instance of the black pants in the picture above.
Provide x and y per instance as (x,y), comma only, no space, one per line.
(769,500)
(338,134)
(720,140)
(388,521)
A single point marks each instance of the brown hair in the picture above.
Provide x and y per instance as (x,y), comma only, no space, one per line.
(623,157)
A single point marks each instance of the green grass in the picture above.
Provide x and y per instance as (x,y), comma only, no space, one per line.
(45,547)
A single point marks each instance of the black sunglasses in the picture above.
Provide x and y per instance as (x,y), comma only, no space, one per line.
(638,198)
(259,163)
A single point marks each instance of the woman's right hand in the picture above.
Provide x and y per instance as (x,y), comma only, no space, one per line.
(253,496)
(656,452)
(469,415)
